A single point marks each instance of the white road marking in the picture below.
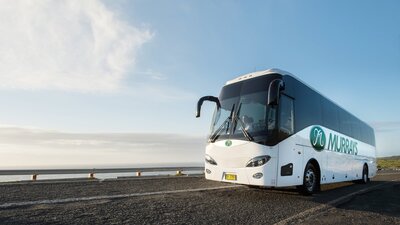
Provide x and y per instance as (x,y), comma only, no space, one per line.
(102,197)
(328,205)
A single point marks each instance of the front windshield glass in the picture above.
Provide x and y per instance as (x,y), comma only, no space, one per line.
(248,99)
(252,113)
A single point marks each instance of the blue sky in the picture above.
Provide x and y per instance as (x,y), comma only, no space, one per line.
(81,69)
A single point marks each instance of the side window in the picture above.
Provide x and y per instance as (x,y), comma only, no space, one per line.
(330,115)
(286,117)
(345,123)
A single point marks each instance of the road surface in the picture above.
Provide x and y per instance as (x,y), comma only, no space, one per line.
(194,200)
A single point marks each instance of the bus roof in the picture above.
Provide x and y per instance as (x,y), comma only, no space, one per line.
(258,74)
(283,73)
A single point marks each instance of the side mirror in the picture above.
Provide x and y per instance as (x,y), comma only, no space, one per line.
(275,87)
(206,98)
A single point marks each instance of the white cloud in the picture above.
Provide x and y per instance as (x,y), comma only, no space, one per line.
(154,75)
(65,45)
(22,147)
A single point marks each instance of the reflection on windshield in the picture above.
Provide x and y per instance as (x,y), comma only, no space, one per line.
(243,127)
(253,112)
(244,113)
(224,126)
(222,115)
(254,119)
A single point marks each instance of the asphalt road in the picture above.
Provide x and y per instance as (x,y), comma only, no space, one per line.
(194,200)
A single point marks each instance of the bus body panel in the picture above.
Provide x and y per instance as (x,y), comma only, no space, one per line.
(348,144)
(290,155)
(233,159)
(335,166)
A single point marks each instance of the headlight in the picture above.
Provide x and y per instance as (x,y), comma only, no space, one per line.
(210,160)
(258,161)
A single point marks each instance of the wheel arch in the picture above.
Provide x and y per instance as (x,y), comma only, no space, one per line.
(315,163)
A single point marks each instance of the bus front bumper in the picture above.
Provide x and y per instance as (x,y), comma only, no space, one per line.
(259,176)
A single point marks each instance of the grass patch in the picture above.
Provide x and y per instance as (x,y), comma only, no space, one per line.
(388,163)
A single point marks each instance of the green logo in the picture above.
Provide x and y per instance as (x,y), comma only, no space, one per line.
(228,143)
(317,138)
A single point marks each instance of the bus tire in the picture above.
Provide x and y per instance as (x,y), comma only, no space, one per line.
(310,180)
(364,177)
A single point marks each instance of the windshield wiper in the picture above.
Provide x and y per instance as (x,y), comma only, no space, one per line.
(242,125)
(215,135)
(244,131)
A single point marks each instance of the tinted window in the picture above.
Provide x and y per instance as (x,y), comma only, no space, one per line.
(313,109)
(344,123)
(253,112)
(286,117)
(355,129)
(330,117)
(253,85)
(308,107)
(244,111)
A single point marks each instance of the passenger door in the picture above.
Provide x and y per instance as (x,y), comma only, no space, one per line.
(290,160)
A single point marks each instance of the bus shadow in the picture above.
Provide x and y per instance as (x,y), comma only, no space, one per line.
(383,199)
(285,190)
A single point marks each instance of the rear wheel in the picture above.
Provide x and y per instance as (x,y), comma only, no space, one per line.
(364,178)
(310,180)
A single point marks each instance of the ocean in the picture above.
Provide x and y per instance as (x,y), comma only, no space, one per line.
(101,176)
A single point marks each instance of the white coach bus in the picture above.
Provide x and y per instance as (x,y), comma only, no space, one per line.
(271,129)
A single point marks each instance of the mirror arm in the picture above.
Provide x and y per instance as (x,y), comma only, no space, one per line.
(276,85)
(206,98)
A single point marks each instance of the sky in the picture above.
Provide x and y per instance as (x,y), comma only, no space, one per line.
(109,83)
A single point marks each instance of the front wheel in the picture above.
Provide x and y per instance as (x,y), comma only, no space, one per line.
(310,180)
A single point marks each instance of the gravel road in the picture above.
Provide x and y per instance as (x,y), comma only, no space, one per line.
(194,200)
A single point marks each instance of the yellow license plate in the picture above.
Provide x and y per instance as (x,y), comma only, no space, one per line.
(229,176)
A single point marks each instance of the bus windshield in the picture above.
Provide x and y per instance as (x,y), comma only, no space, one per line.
(244,113)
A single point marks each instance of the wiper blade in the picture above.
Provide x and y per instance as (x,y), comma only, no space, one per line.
(215,135)
(242,125)
(244,131)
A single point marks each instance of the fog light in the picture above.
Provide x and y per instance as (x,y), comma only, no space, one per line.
(257,175)
(208,171)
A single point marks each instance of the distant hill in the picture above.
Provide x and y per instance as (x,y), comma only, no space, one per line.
(391,157)
(391,162)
